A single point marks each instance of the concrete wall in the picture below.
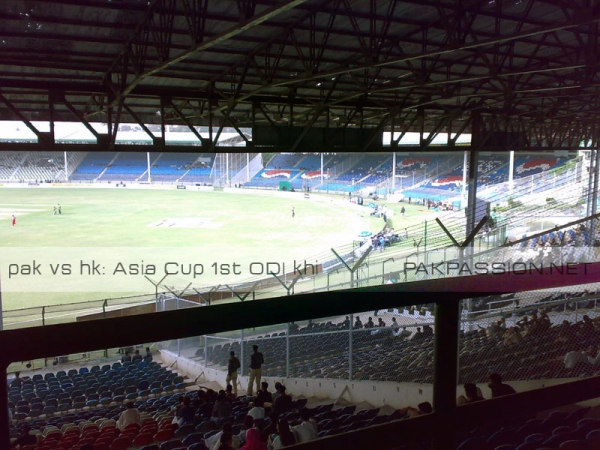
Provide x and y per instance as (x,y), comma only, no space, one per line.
(378,394)
(395,395)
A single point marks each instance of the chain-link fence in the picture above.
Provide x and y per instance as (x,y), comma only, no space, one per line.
(527,338)
(386,345)
(531,339)
(53,314)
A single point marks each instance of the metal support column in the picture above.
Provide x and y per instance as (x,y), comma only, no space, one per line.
(464,180)
(590,183)
(445,377)
(511,172)
(247,167)
(242,352)
(148,159)
(66,168)
(321,168)
(205,351)
(350,346)
(287,351)
(393,170)
(594,198)
(472,196)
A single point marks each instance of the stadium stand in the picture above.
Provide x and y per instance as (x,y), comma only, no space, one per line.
(171,166)
(127,166)
(10,163)
(270,178)
(200,169)
(525,166)
(364,168)
(85,417)
(37,166)
(285,161)
(92,165)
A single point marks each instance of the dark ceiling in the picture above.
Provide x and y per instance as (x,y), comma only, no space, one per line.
(492,67)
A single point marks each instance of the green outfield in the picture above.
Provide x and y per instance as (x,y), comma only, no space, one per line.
(226,227)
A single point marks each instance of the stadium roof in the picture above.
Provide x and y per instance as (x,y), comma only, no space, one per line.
(518,72)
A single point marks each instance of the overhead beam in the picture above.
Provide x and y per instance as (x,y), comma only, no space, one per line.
(243,27)
(344,69)
(202,140)
(78,115)
(20,116)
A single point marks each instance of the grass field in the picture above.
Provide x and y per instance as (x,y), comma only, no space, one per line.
(220,227)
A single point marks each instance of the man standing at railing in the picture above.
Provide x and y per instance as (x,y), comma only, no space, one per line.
(256,362)
(232,371)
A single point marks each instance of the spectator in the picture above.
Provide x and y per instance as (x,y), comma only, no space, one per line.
(206,406)
(253,441)
(264,395)
(126,357)
(272,427)
(404,334)
(225,443)
(307,430)
(137,358)
(394,326)
(214,441)
(576,359)
(129,416)
(247,425)
(427,331)
(232,371)
(357,323)
(420,410)
(222,407)
(284,402)
(17,381)
(381,323)
(594,360)
(418,335)
(177,407)
(148,357)
(345,324)
(231,397)
(186,414)
(493,330)
(256,362)
(586,328)
(511,337)
(472,394)
(564,332)
(284,436)
(370,323)
(257,412)
(277,392)
(544,323)
(498,388)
